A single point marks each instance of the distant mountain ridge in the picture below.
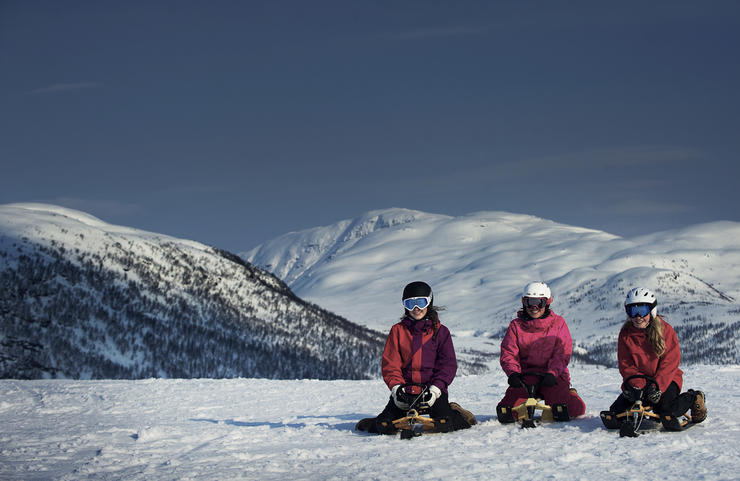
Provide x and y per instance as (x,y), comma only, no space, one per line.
(478,264)
(80,298)
(310,247)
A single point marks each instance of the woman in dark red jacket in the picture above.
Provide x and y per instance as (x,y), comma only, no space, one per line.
(648,345)
(419,350)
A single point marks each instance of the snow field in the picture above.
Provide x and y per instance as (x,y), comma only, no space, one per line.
(303,429)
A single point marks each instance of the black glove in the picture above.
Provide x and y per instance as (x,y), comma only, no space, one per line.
(515,379)
(632,393)
(400,399)
(652,395)
(549,380)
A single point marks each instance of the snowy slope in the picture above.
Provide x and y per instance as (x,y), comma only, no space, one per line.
(478,264)
(275,430)
(80,298)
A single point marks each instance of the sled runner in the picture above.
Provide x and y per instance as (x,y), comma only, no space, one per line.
(526,412)
(640,418)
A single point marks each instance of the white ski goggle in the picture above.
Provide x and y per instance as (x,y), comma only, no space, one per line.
(420,302)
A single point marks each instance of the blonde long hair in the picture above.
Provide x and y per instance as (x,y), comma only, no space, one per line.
(654,332)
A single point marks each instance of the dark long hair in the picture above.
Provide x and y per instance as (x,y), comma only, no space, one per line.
(432,315)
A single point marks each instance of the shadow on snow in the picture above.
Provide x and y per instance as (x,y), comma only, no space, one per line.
(342,426)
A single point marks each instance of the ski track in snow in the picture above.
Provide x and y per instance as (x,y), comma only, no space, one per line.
(303,429)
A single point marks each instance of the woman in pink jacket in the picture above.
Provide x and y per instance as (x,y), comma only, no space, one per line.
(538,340)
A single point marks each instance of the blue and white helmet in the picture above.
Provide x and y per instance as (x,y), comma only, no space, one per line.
(640,295)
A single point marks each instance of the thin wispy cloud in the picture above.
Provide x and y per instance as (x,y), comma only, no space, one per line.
(66,87)
(634,156)
(587,161)
(437,32)
(575,170)
(647,206)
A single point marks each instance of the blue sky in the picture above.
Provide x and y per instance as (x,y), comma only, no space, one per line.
(232,122)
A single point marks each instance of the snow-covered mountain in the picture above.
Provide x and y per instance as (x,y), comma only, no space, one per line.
(479,263)
(85,299)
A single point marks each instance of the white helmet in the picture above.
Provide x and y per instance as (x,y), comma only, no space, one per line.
(640,295)
(537,289)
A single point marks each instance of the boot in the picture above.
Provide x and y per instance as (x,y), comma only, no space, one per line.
(699,408)
(367,425)
(505,414)
(467,415)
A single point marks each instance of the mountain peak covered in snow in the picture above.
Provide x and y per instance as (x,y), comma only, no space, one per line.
(478,264)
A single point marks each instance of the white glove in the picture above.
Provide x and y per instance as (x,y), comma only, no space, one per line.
(399,404)
(433,394)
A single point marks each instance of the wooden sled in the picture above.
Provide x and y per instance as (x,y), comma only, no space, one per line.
(417,421)
(631,423)
(527,412)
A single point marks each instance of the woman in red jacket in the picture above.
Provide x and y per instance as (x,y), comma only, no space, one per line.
(419,350)
(648,346)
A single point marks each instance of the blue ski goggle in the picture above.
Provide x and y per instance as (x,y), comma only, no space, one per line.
(420,302)
(638,310)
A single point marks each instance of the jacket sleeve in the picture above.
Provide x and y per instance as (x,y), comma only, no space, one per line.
(560,358)
(626,360)
(510,351)
(392,363)
(445,366)
(669,361)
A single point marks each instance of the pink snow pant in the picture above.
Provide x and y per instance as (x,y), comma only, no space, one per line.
(558,394)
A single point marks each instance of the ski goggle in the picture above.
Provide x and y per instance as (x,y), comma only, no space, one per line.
(420,302)
(638,310)
(539,302)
